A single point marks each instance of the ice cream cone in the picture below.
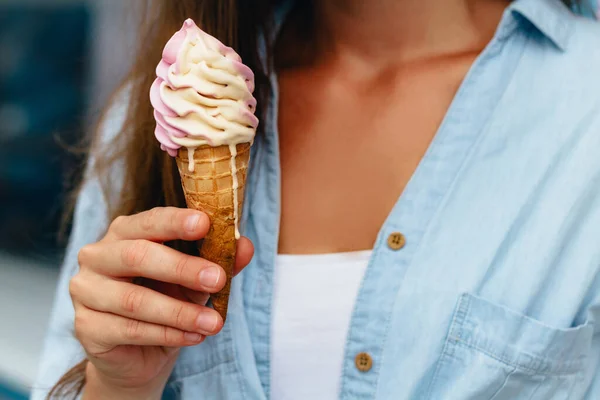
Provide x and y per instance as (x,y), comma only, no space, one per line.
(205,118)
(213,180)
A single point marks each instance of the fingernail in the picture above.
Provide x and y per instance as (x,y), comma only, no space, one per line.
(209,277)
(207,322)
(192,337)
(192,222)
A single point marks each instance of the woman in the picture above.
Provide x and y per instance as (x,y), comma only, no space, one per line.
(423,206)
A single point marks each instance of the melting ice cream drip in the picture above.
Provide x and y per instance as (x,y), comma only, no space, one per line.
(191,163)
(233,151)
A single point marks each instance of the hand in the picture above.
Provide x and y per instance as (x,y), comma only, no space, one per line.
(132,333)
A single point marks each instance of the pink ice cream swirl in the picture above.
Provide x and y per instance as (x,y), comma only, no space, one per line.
(202,94)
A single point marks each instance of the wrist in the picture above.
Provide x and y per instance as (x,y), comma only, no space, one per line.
(98,388)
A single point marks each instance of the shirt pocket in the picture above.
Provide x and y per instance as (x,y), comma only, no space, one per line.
(493,353)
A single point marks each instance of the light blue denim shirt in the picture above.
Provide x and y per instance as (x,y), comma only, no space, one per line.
(496,294)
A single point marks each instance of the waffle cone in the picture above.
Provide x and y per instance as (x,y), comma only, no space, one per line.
(209,188)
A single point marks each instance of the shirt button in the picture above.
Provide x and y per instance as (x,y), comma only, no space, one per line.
(396,241)
(363,362)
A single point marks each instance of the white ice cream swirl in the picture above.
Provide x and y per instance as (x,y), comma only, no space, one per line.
(202,94)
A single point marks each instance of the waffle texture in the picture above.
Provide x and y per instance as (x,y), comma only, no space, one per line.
(209,188)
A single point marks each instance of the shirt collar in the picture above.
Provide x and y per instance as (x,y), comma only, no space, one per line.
(552,18)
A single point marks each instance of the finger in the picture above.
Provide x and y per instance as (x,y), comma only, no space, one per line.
(100,332)
(143,258)
(143,304)
(244,253)
(161,224)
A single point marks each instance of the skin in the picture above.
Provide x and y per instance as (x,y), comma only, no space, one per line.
(132,334)
(387,98)
(355,123)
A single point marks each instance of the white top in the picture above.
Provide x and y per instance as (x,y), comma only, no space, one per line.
(313,301)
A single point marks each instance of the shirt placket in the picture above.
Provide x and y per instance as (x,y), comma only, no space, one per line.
(403,232)
(263,224)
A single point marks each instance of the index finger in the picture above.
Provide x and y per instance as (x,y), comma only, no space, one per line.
(161,224)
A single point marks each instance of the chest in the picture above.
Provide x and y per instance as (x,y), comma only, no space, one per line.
(348,150)
(490,295)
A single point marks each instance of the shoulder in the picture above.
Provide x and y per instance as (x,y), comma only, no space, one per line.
(585,32)
(577,66)
(582,55)
(562,81)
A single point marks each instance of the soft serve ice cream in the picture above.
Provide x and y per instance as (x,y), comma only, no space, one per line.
(202,96)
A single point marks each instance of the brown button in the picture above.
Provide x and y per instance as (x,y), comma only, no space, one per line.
(396,241)
(363,362)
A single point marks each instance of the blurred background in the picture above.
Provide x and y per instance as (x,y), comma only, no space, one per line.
(59,62)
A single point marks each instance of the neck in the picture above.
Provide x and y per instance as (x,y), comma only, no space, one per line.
(405,30)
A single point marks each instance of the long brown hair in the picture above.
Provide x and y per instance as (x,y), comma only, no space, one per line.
(236,23)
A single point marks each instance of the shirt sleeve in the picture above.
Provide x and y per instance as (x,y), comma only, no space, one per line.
(61,349)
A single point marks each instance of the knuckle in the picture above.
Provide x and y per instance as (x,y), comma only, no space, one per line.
(181,266)
(117,223)
(174,220)
(178,316)
(75,286)
(134,254)
(170,337)
(150,219)
(134,330)
(132,301)
(84,255)
(80,326)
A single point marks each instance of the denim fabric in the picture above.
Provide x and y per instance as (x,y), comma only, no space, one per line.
(496,293)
